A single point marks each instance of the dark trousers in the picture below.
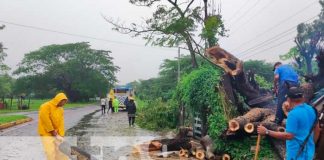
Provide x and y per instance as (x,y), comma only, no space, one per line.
(131,121)
(283,89)
(103,109)
(110,108)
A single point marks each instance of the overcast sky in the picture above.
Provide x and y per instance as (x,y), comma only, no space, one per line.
(252,23)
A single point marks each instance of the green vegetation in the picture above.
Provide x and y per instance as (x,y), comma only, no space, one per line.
(199,91)
(11,118)
(261,68)
(76,69)
(175,23)
(308,43)
(35,104)
(164,85)
(157,115)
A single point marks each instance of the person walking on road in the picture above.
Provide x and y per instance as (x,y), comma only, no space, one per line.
(284,78)
(103,105)
(110,106)
(51,126)
(131,109)
(302,128)
(115,104)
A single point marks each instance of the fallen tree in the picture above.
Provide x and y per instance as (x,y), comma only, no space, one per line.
(233,67)
(254,115)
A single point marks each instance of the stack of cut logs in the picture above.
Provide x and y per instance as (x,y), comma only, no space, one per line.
(253,118)
(183,145)
(202,150)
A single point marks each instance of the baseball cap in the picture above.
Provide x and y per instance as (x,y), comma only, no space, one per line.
(274,66)
(295,93)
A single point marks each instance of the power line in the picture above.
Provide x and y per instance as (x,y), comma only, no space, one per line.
(276,37)
(274,46)
(267,42)
(246,12)
(276,25)
(76,35)
(254,15)
(237,11)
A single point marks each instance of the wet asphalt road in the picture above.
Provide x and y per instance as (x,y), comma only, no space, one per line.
(22,141)
(71,117)
(105,136)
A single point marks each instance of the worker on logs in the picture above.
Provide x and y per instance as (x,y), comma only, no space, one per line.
(51,126)
(302,127)
(284,78)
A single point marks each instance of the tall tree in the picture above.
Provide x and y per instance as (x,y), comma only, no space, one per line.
(308,38)
(261,68)
(75,68)
(3,67)
(174,24)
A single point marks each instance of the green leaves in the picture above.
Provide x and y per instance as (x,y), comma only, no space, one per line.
(77,69)
(157,115)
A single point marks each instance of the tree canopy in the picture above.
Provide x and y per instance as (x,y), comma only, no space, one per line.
(74,68)
(308,42)
(261,68)
(175,23)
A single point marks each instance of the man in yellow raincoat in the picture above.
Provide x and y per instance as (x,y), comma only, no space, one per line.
(51,126)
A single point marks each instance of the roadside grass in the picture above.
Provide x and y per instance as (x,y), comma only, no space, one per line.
(36,103)
(11,118)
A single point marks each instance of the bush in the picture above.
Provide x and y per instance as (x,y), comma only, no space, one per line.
(199,92)
(157,115)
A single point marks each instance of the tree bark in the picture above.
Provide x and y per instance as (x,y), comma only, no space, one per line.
(234,67)
(254,115)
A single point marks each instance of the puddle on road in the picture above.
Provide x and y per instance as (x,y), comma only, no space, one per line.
(109,136)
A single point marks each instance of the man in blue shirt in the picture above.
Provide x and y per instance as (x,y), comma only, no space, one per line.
(284,78)
(300,122)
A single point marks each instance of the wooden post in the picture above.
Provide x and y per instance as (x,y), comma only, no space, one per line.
(257,147)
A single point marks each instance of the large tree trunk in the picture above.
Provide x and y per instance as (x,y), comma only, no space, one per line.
(309,65)
(318,80)
(254,115)
(234,67)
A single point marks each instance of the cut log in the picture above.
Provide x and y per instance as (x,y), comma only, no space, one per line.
(226,157)
(200,153)
(176,144)
(184,132)
(279,146)
(252,127)
(183,153)
(254,115)
(207,143)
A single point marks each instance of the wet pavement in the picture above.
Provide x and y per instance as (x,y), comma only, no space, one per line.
(103,136)
(71,117)
(110,137)
(22,141)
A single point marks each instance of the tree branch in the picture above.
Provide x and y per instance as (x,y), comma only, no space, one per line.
(187,8)
(177,7)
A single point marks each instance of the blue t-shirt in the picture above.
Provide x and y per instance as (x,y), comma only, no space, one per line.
(286,73)
(299,122)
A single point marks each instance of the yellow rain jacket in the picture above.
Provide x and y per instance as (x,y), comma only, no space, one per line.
(51,117)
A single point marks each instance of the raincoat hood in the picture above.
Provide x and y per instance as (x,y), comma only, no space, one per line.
(58,98)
